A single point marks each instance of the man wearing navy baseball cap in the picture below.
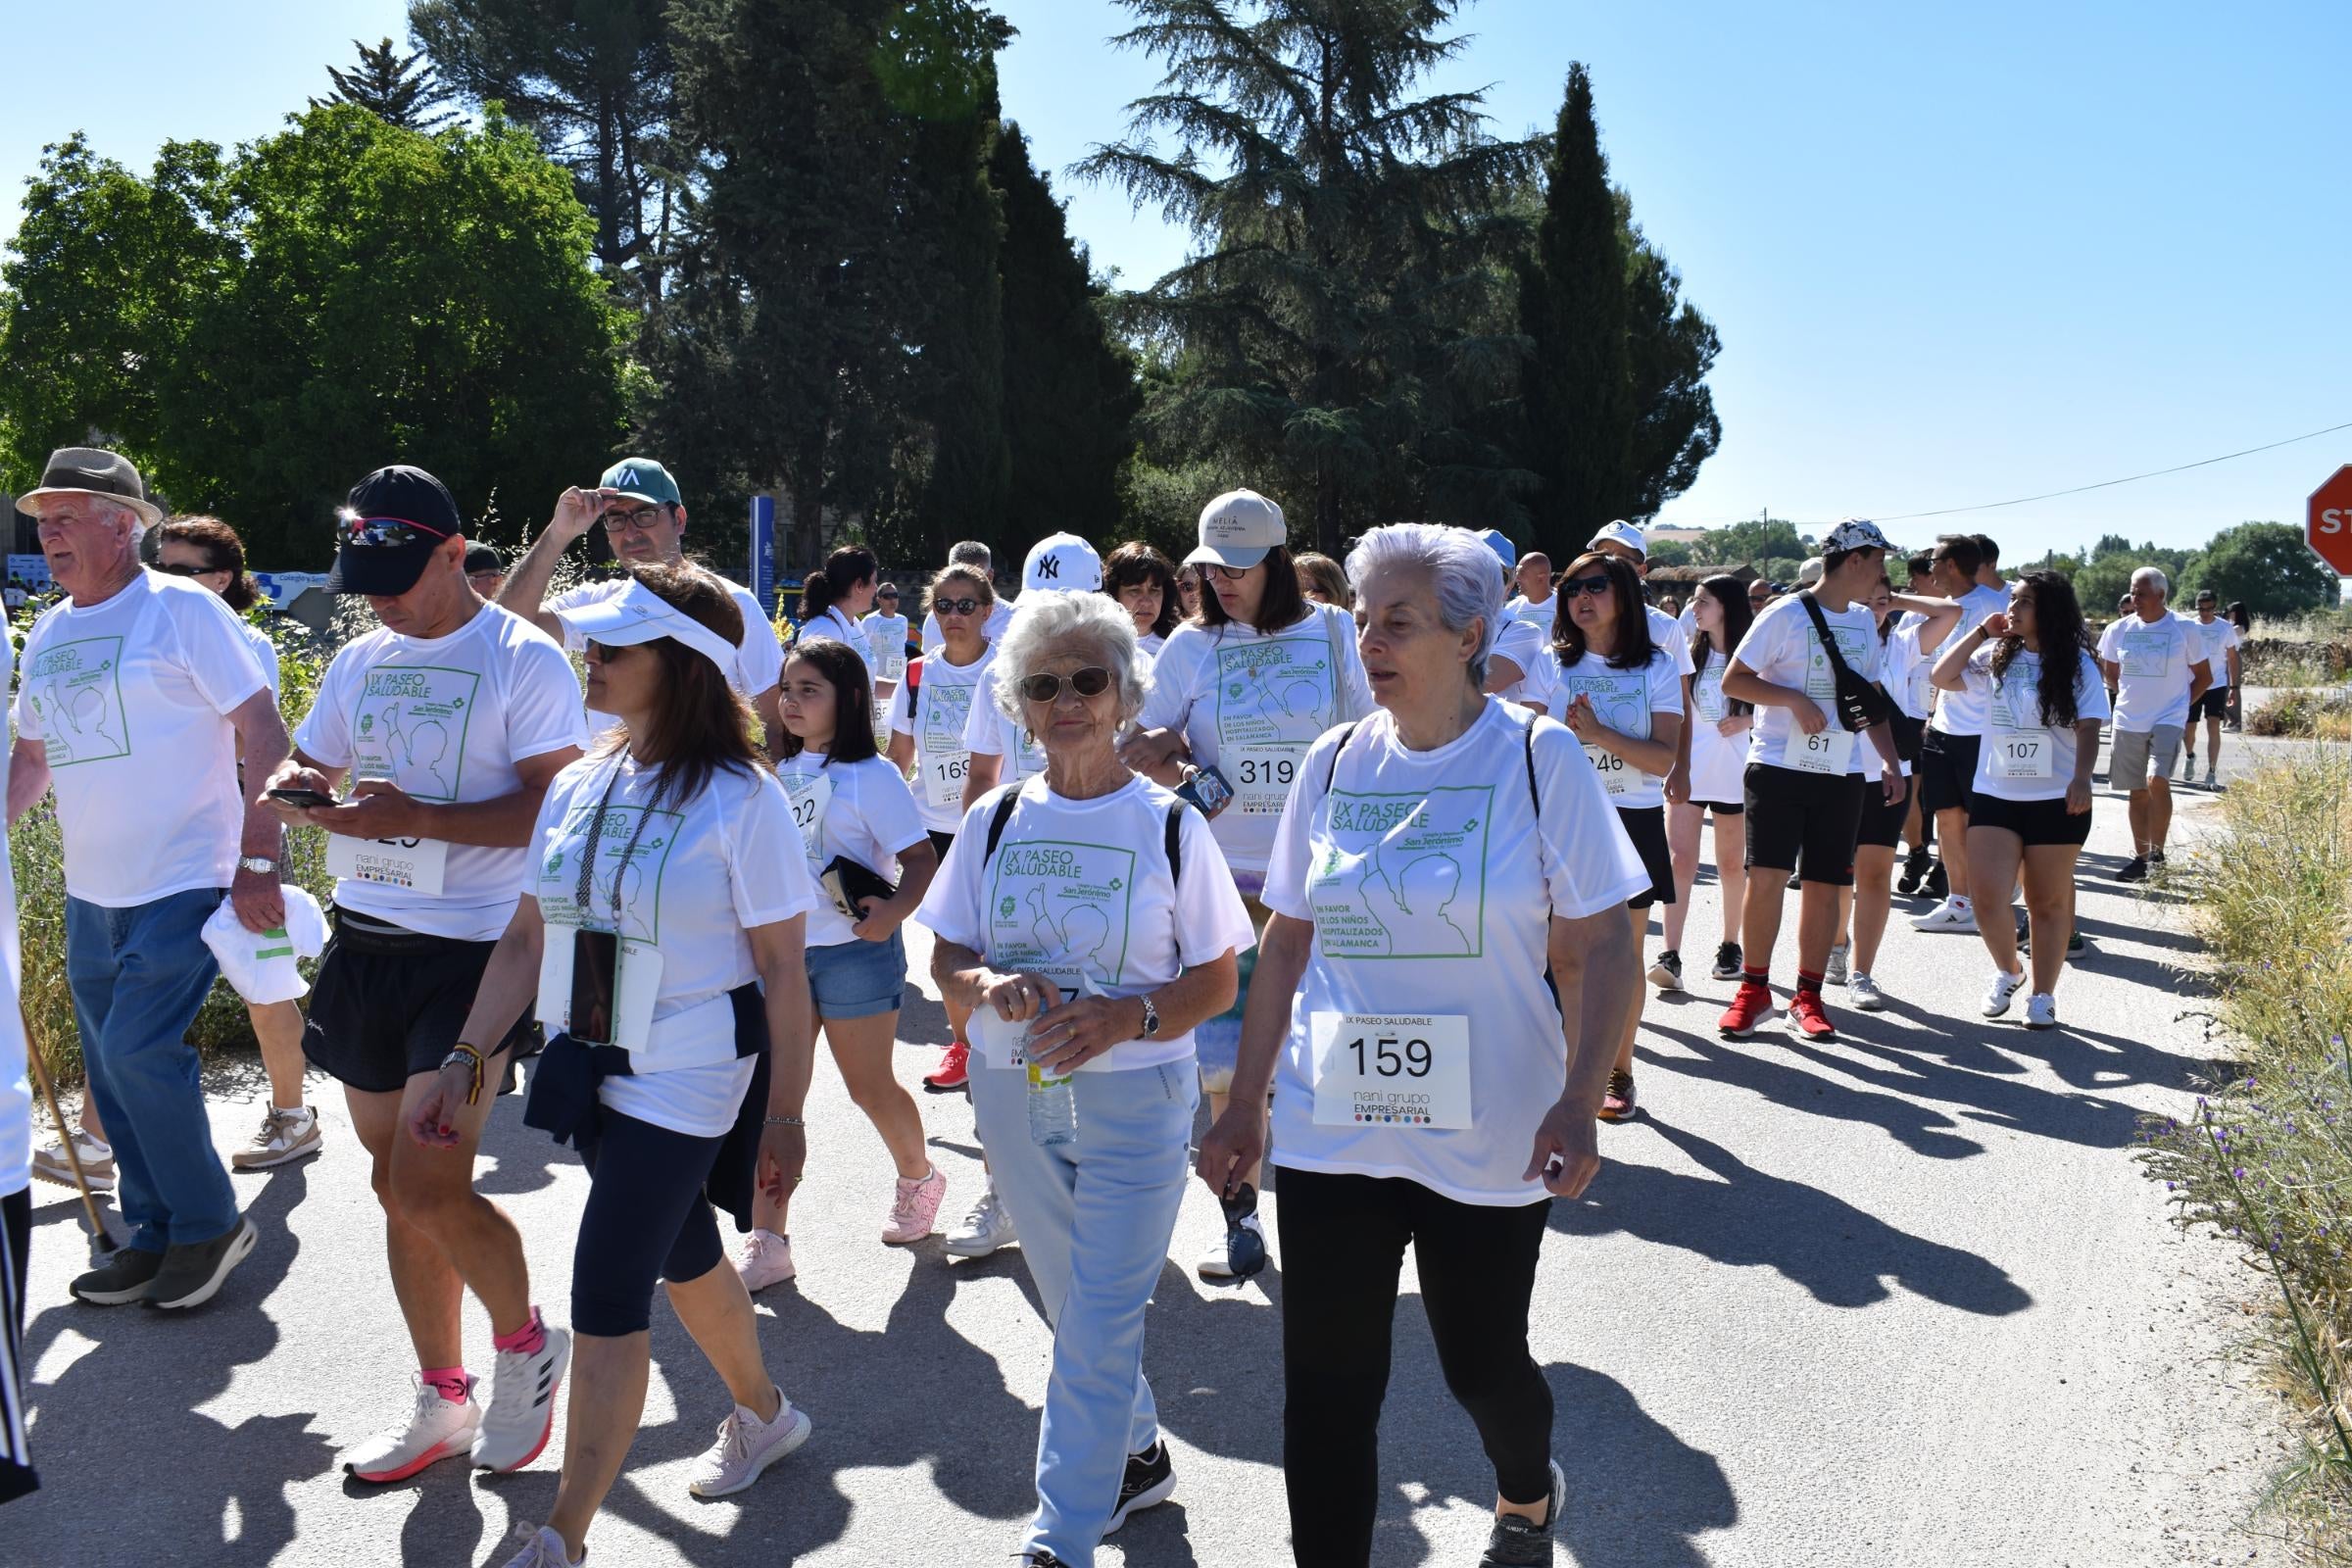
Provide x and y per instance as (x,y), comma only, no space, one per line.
(450,722)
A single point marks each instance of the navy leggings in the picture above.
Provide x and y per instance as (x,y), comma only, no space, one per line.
(646,1220)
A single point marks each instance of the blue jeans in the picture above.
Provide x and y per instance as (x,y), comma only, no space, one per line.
(1095,1217)
(138,975)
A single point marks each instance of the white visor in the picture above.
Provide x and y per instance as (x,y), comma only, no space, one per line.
(638,615)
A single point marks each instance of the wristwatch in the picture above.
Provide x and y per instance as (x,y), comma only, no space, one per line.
(1151,1020)
(260,863)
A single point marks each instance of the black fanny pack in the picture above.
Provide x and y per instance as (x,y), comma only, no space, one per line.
(1860,705)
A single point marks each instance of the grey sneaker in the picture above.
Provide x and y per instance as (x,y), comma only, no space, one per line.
(1835,973)
(1517,1542)
(121,1280)
(285,1135)
(193,1274)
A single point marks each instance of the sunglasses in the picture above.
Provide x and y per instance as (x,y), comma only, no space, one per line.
(183,570)
(955,607)
(391,533)
(891,593)
(1576,587)
(605,653)
(638,517)
(1092,681)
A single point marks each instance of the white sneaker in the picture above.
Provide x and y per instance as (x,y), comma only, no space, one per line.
(1952,914)
(285,1135)
(1834,972)
(1217,1262)
(541,1548)
(2004,987)
(436,1429)
(2042,1010)
(522,1403)
(1864,993)
(985,1229)
(50,1163)
(747,1446)
(765,1258)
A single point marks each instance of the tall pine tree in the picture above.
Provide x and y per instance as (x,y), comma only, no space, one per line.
(1070,393)
(395,88)
(1334,336)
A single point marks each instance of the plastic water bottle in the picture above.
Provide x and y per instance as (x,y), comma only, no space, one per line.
(1053,1109)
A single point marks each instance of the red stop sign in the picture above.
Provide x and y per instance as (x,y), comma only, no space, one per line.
(2327,525)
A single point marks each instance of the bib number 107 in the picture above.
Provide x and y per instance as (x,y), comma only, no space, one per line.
(1388,1056)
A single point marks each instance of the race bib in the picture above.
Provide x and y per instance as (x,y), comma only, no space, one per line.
(943,779)
(1261,778)
(416,865)
(1402,1070)
(1830,752)
(2020,755)
(635,985)
(1616,773)
(810,793)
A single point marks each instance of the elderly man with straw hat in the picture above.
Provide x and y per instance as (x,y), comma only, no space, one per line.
(132,677)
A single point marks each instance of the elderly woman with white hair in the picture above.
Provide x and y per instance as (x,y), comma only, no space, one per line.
(1432,1089)
(1087,918)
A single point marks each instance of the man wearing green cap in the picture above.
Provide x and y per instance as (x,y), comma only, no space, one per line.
(644,520)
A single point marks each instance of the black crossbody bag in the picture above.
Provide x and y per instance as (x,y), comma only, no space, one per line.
(1860,705)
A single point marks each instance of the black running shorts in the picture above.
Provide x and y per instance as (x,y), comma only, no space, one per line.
(1804,822)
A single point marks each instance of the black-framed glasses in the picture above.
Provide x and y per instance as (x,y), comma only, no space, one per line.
(1229,573)
(955,607)
(605,653)
(891,593)
(621,519)
(1573,587)
(180,568)
(1092,681)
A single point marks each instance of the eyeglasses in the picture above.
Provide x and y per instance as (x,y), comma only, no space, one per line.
(1577,587)
(620,520)
(182,569)
(605,653)
(955,607)
(1092,681)
(1229,573)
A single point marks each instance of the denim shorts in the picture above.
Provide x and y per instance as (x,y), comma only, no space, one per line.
(858,979)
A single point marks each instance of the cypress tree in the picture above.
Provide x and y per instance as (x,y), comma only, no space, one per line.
(391,88)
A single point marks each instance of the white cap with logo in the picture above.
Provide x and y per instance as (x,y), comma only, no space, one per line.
(1064,562)
(1237,529)
(1623,533)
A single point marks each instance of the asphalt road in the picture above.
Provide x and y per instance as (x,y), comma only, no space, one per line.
(1903,1299)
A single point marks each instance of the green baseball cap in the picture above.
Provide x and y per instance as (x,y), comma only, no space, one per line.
(642,479)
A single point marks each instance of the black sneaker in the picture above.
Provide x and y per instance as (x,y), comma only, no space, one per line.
(1727,960)
(2155,858)
(2076,947)
(1667,973)
(1517,1544)
(1149,1480)
(1797,879)
(1936,885)
(2137,871)
(1915,870)
(121,1280)
(193,1275)
(1040,1558)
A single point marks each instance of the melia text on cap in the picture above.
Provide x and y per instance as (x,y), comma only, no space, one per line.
(1855,533)
(1623,533)
(1064,562)
(395,520)
(1238,529)
(91,471)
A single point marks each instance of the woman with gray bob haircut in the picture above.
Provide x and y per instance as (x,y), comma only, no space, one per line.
(1429,1087)
(1087,918)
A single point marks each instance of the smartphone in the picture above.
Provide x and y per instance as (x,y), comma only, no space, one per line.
(1208,788)
(311,798)
(595,976)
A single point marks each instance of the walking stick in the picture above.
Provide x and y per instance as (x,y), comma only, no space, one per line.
(40,1073)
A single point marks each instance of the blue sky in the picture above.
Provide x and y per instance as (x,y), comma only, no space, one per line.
(1957,253)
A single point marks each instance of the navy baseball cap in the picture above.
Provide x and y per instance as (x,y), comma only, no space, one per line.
(394,520)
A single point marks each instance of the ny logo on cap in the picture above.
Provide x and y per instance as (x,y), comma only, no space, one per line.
(1049,568)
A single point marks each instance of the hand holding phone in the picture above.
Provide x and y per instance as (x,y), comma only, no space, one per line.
(307,799)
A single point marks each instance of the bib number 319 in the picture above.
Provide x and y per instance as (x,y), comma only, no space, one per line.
(1406,1071)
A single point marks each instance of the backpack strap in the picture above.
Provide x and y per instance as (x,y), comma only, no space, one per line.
(997,821)
(1346,735)
(1534,795)
(1172,837)
(1174,840)
(914,690)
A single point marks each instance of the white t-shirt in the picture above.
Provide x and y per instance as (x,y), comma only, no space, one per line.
(1783,648)
(2221,634)
(1668,632)
(1149,646)
(1250,704)
(16,1085)
(862,811)
(1523,644)
(700,875)
(2010,764)
(1000,616)
(759,657)
(833,622)
(446,720)
(1432,886)
(130,697)
(2155,658)
(264,653)
(885,644)
(941,699)
(1718,763)
(1084,888)
(1535,613)
(1907,676)
(1962,713)
(1627,701)
(989,733)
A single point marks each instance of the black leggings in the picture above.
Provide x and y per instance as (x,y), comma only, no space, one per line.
(645,1219)
(1343,1243)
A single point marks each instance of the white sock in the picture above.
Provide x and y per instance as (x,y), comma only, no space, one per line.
(1959,901)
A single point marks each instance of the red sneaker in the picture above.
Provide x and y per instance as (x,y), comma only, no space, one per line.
(954,1069)
(1749,1003)
(1806,1016)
